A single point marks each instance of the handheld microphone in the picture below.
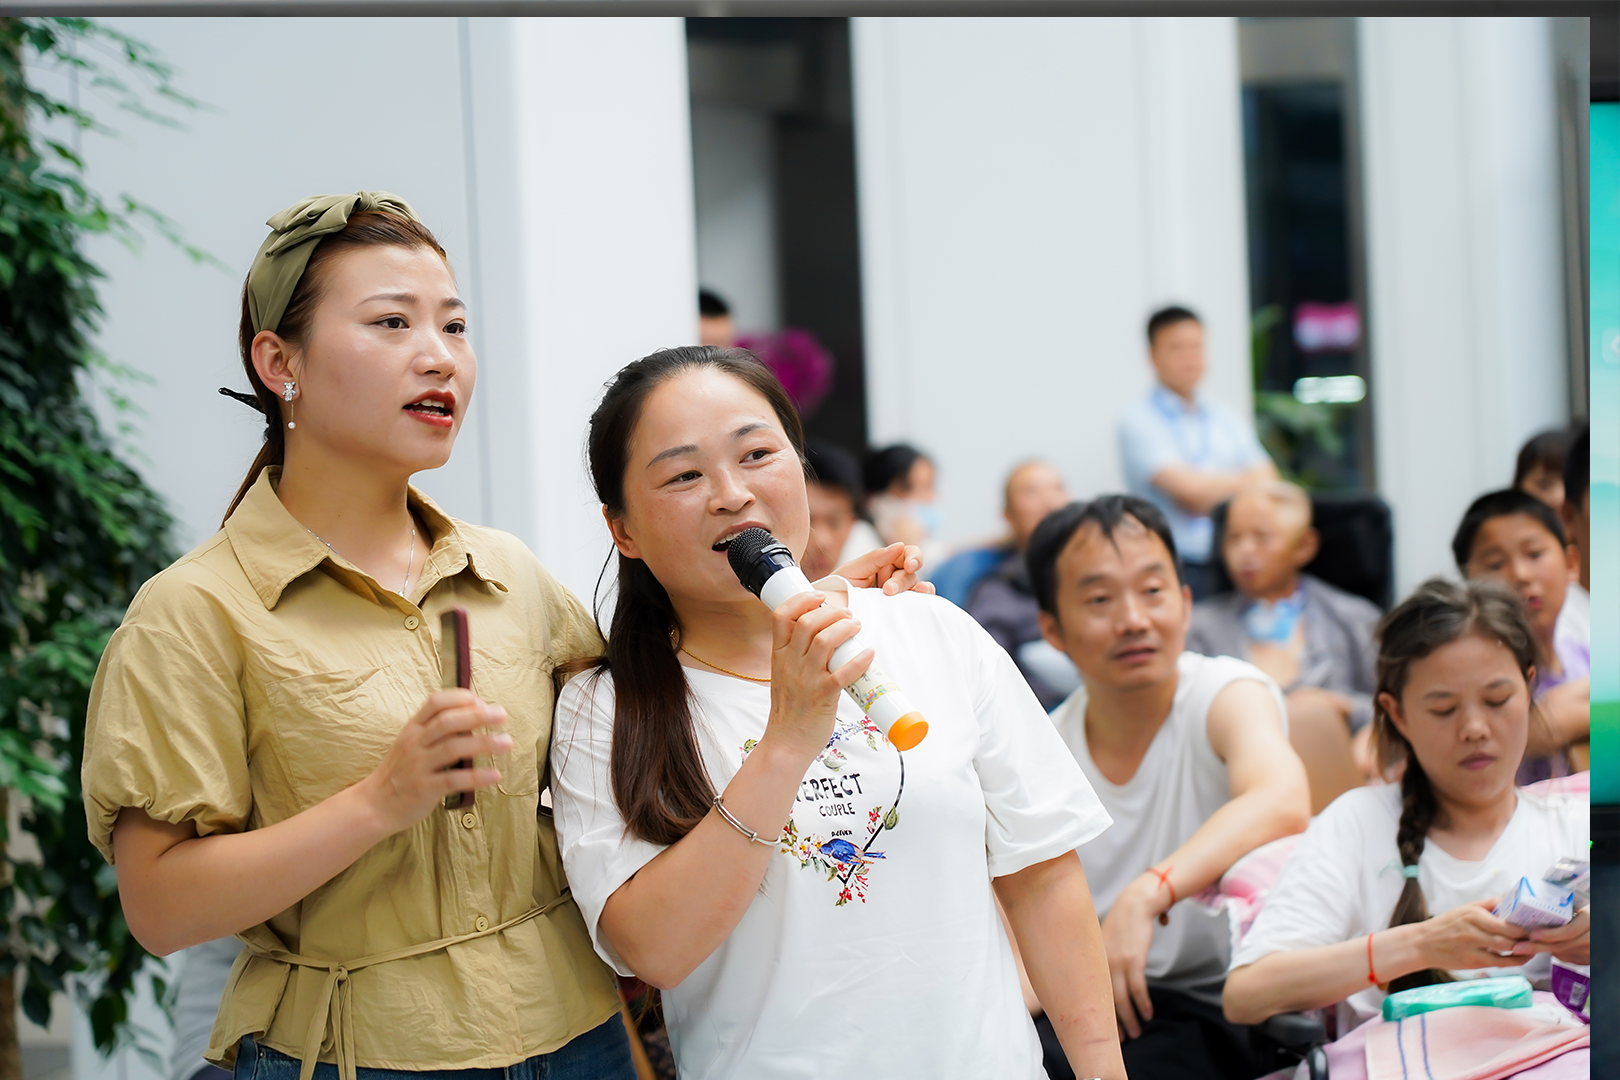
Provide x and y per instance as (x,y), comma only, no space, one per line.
(766,568)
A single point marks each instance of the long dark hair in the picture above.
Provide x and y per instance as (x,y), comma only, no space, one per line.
(1438,613)
(368,228)
(659,780)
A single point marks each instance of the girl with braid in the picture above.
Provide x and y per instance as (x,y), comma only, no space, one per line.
(1393,887)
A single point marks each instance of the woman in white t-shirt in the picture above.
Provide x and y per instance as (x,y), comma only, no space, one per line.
(1348,920)
(862,937)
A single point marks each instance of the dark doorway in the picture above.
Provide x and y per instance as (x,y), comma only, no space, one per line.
(774,158)
(1306,291)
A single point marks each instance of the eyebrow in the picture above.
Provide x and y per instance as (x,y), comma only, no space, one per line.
(1092,579)
(691,448)
(411,298)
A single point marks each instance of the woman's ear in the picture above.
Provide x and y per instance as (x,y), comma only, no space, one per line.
(622,540)
(1392,709)
(274,360)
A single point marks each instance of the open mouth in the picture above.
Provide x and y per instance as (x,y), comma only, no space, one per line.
(725,541)
(433,404)
(436,408)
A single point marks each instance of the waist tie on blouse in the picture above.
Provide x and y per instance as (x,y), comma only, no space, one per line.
(336,1006)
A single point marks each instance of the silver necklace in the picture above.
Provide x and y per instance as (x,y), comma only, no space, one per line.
(410,563)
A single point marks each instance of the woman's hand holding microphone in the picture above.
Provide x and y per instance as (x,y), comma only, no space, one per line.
(804,694)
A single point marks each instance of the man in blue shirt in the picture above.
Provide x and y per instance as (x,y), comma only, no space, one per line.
(1184,455)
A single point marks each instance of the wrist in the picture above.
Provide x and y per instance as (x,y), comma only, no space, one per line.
(1398,951)
(1145,896)
(363,807)
(1157,890)
(779,754)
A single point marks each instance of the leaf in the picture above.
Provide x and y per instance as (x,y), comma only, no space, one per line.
(80,530)
(36,1003)
(892,818)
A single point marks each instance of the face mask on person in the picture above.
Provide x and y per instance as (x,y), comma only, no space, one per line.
(927,515)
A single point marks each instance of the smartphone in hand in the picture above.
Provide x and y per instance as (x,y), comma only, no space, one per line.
(455,665)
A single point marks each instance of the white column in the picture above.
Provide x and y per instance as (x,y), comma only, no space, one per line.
(1465,304)
(584,200)
(1030,190)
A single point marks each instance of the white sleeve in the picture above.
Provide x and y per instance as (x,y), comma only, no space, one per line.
(1038,804)
(1313,901)
(598,852)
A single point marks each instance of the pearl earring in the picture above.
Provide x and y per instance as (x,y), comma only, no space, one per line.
(288,392)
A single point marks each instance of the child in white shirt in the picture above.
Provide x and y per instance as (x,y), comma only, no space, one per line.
(1348,920)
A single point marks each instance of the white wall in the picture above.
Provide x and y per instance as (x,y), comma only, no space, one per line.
(1030,190)
(585,202)
(565,204)
(736,212)
(1464,265)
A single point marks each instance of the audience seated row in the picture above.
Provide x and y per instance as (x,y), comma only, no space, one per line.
(1286,698)
(1438,694)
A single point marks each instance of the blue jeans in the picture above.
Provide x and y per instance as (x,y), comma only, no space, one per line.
(600,1054)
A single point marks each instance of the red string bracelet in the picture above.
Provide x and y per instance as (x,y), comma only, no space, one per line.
(1372,979)
(1164,879)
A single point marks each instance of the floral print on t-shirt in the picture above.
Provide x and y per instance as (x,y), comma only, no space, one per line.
(849,797)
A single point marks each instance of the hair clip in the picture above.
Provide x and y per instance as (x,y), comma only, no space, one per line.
(249,400)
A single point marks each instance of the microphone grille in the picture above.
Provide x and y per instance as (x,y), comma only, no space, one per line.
(744,551)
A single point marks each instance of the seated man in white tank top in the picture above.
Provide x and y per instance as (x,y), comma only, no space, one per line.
(1190,756)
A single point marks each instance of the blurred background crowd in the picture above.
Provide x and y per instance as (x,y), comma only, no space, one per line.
(1311,286)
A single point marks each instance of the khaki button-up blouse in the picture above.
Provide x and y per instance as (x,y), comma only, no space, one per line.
(262,673)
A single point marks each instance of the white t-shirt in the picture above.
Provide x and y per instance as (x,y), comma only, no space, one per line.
(873,947)
(1180,784)
(1344,878)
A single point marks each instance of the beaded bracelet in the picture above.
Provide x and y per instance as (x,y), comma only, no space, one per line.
(753,836)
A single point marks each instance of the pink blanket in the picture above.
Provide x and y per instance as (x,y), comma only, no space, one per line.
(1465,1043)
(1469,1043)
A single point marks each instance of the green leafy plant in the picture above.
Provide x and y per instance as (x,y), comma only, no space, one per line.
(1288,428)
(79,529)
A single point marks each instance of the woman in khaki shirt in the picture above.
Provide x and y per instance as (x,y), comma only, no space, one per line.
(245,763)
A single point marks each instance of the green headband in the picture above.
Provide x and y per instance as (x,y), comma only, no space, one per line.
(293,233)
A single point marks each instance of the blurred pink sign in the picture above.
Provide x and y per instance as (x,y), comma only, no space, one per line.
(1321,327)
